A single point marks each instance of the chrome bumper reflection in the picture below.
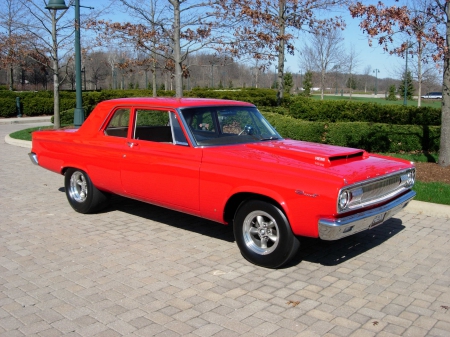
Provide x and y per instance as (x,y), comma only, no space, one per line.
(33,158)
(339,228)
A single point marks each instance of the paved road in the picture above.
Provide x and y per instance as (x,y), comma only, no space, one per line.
(139,270)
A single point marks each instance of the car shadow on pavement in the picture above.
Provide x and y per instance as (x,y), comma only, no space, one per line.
(171,218)
(332,253)
(327,253)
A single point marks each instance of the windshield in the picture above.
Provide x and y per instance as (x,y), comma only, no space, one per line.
(227,125)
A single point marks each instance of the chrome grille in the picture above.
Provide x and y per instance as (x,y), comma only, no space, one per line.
(381,188)
(376,190)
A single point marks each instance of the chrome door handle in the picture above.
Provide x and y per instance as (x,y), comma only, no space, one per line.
(131,144)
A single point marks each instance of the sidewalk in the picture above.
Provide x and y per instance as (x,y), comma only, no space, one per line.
(25,120)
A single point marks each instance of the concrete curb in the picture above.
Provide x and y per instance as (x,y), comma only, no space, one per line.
(428,209)
(25,120)
(17,142)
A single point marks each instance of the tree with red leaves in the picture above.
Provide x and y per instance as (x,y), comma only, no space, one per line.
(265,29)
(428,24)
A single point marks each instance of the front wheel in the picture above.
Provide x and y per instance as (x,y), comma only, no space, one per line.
(263,234)
(82,195)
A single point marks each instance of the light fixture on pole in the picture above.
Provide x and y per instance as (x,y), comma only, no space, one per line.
(56,4)
(376,71)
(78,116)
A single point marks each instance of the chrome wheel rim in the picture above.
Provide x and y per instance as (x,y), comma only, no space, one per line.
(78,187)
(261,233)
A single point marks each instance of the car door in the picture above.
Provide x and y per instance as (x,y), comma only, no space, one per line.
(159,166)
(107,149)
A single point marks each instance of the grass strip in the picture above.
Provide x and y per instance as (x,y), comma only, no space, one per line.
(26,134)
(438,193)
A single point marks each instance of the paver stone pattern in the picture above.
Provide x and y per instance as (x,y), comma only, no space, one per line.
(139,270)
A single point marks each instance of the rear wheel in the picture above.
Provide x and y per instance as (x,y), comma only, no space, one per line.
(263,234)
(82,195)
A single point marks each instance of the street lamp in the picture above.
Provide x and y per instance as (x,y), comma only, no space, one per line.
(78,117)
(376,71)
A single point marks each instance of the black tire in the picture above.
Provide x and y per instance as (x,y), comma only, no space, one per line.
(263,234)
(82,195)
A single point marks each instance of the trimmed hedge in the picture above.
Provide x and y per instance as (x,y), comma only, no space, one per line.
(373,137)
(348,111)
(41,103)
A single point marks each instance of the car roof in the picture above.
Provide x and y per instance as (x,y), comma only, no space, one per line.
(171,102)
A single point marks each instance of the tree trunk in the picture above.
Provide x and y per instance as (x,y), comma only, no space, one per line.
(419,75)
(11,78)
(177,48)
(154,80)
(281,51)
(444,150)
(56,115)
(322,82)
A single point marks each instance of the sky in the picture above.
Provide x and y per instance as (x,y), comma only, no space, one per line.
(374,56)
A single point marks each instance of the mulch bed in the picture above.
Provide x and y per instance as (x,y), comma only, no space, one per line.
(429,172)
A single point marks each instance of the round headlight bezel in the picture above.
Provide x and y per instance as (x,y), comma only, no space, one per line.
(343,200)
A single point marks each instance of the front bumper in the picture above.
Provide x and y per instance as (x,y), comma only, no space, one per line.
(340,228)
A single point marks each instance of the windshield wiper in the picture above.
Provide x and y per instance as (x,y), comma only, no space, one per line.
(269,138)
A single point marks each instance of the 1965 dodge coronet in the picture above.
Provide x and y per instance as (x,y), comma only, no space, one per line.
(221,160)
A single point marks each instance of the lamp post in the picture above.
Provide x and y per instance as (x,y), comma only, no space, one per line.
(78,117)
(376,71)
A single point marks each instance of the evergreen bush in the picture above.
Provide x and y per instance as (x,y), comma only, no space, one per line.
(372,137)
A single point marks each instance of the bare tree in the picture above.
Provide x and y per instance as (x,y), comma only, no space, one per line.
(13,41)
(352,61)
(51,33)
(366,72)
(169,29)
(324,51)
(96,65)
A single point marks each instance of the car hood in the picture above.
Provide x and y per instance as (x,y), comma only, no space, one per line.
(347,164)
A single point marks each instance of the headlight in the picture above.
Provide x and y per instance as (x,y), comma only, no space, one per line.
(344,198)
(411,177)
(408,178)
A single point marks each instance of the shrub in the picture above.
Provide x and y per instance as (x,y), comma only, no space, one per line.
(348,111)
(7,107)
(373,137)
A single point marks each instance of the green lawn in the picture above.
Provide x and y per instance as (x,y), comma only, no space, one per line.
(415,157)
(437,193)
(430,103)
(26,134)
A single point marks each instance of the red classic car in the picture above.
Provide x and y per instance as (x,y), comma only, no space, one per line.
(221,160)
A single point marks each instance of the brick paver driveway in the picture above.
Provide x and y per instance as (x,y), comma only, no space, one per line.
(139,270)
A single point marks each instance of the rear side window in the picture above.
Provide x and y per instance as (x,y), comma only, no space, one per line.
(153,125)
(119,123)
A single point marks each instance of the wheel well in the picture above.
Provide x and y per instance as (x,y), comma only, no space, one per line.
(236,200)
